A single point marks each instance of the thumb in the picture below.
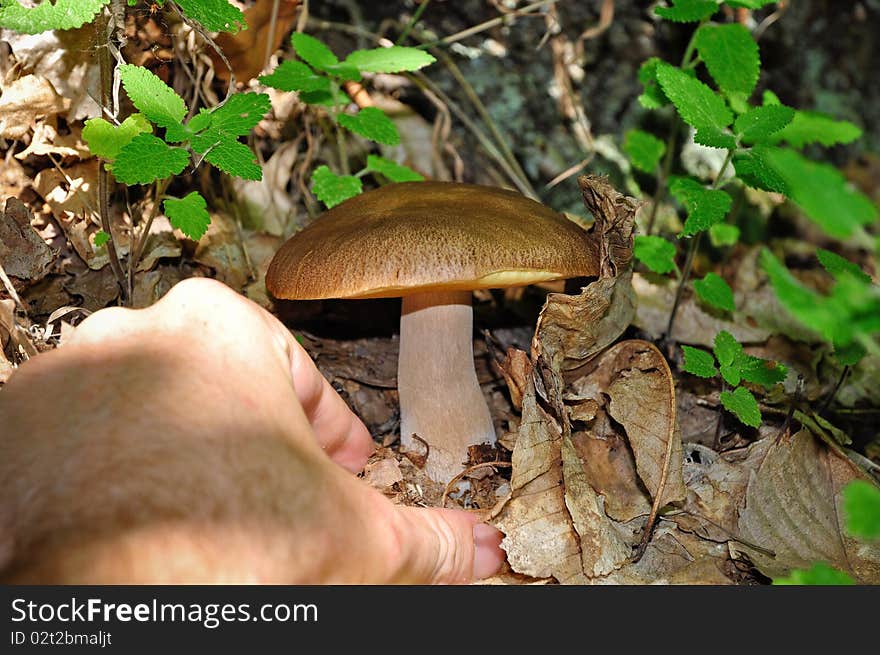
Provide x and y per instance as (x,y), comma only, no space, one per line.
(445,546)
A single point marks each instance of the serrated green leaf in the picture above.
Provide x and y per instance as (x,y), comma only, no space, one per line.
(652,96)
(696,103)
(759,123)
(325,98)
(344,72)
(761,371)
(643,149)
(714,138)
(214,15)
(371,123)
(712,289)
(152,97)
(812,127)
(743,405)
(332,189)
(851,354)
(57,15)
(392,170)
(836,265)
(705,207)
(687,11)
(731,55)
(728,351)
(105,140)
(188,214)
(699,362)
(655,252)
(101,238)
(312,51)
(395,59)
(240,114)
(292,75)
(234,158)
(754,169)
(769,98)
(861,505)
(819,574)
(147,158)
(723,234)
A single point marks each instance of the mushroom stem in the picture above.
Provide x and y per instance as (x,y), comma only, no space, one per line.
(440,398)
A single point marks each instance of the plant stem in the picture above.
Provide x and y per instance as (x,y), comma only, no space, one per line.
(141,241)
(340,133)
(827,402)
(663,176)
(412,21)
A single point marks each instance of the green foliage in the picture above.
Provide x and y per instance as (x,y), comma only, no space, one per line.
(188,214)
(396,59)
(151,96)
(731,56)
(808,127)
(106,140)
(861,505)
(392,170)
(698,106)
(292,75)
(723,234)
(48,15)
(373,124)
(214,15)
(712,289)
(705,207)
(313,52)
(688,11)
(742,404)
(839,266)
(643,149)
(699,362)
(101,238)
(652,96)
(655,252)
(728,352)
(332,189)
(819,574)
(147,158)
(758,124)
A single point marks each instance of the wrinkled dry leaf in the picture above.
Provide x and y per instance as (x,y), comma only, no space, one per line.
(96,288)
(24,101)
(160,245)
(23,253)
(11,329)
(794,508)
(47,141)
(383,473)
(152,285)
(221,249)
(614,216)
(266,204)
(13,179)
(260,248)
(516,370)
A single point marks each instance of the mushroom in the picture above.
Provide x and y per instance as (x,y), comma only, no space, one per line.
(432,243)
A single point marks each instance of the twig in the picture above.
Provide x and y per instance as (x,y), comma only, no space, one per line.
(451,484)
(138,249)
(840,380)
(412,21)
(489,24)
(731,535)
(273,22)
(198,29)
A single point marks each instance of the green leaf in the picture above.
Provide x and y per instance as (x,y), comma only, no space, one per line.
(761,371)
(214,15)
(812,127)
(861,505)
(392,170)
(371,123)
(240,114)
(147,158)
(652,96)
(655,252)
(395,59)
(749,4)
(57,15)
(723,234)
(292,75)
(759,123)
(698,106)
(188,214)
(705,207)
(699,362)
(769,98)
(731,55)
(833,263)
(687,11)
(728,351)
(713,290)
(331,189)
(850,355)
(234,158)
(105,140)
(152,97)
(312,51)
(743,405)
(819,574)
(754,169)
(643,149)
(101,237)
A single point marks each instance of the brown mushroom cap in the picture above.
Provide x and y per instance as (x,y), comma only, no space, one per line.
(414,237)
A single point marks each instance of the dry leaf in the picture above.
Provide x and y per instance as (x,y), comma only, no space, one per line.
(23,253)
(47,141)
(24,101)
(266,204)
(221,249)
(383,473)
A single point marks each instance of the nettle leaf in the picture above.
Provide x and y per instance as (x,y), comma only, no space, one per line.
(812,127)
(761,371)
(188,214)
(292,75)
(57,15)
(652,96)
(101,238)
(698,106)
(731,55)
(820,574)
(395,59)
(759,123)
(312,51)
(214,15)
(655,252)
(754,169)
(834,264)
(372,123)
(705,207)
(698,362)
(643,149)
(712,289)
(234,158)
(332,189)
(147,158)
(392,170)
(240,114)
(728,351)
(687,11)
(861,505)
(105,140)
(743,405)
(723,234)
(152,97)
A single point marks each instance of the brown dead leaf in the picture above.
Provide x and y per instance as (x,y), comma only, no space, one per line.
(794,508)
(97,288)
(614,216)
(152,285)
(47,141)
(24,101)
(221,249)
(265,204)
(23,253)
(382,473)
(516,370)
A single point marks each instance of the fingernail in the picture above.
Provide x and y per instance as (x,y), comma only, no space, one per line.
(488,555)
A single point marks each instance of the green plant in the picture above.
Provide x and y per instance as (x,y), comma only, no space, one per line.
(318,75)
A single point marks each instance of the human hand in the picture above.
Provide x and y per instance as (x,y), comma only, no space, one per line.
(196,442)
